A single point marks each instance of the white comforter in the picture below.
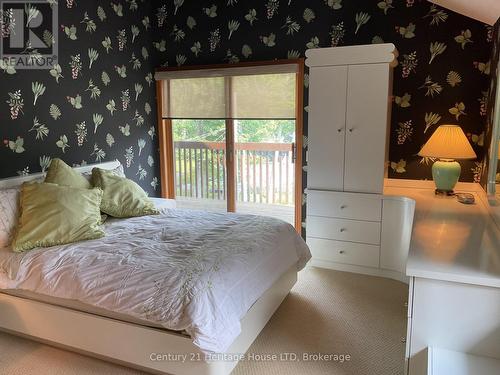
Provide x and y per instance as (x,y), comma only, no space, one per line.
(186,270)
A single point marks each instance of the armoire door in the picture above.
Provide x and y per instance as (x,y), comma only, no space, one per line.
(327,106)
(366,127)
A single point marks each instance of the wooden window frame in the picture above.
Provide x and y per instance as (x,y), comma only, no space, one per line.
(166,137)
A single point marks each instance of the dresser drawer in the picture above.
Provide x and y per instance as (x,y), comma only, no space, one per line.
(344,205)
(344,252)
(344,230)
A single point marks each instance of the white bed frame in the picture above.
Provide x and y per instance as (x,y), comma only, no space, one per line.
(125,343)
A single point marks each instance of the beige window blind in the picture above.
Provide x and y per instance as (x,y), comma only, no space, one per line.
(261,92)
(195,98)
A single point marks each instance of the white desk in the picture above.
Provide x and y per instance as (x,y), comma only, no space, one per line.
(454,270)
(448,362)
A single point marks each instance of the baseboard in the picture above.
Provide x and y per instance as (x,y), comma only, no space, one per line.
(388,274)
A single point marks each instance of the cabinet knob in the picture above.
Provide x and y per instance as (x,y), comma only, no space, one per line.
(339,130)
(351,130)
(343,206)
(341,251)
(342,229)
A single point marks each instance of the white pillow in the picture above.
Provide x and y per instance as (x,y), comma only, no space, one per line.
(162,204)
(9,215)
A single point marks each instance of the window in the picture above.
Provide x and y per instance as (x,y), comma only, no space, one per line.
(229,137)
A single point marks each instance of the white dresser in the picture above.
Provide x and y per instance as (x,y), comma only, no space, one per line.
(454,290)
(351,224)
(356,232)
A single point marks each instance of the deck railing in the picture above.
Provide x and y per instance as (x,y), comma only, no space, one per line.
(264,171)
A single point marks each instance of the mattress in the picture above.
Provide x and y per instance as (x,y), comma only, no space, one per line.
(182,270)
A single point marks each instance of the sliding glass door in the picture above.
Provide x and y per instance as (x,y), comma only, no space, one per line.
(229,135)
(263,166)
(200,167)
(265,173)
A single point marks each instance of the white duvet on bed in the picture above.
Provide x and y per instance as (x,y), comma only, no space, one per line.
(186,270)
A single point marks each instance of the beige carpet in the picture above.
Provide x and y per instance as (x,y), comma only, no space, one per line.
(327,312)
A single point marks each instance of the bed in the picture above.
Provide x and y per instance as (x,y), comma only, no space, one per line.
(183,292)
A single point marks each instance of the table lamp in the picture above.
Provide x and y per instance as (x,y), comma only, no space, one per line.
(448,143)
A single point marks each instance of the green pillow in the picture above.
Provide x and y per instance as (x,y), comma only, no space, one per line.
(61,173)
(55,215)
(122,197)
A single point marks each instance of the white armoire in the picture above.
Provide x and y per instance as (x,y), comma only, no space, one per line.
(351,225)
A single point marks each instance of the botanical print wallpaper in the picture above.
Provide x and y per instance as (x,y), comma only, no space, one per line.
(443,69)
(97,104)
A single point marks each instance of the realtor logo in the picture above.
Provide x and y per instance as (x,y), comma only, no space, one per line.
(28,34)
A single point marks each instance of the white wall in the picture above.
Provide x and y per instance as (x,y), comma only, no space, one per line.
(487,11)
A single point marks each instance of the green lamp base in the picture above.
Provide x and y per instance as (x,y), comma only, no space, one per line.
(446,174)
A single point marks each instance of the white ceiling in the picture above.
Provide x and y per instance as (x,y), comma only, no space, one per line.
(487,11)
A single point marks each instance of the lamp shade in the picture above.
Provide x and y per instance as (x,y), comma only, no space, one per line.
(448,142)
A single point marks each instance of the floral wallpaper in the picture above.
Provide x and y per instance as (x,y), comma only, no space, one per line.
(443,69)
(97,104)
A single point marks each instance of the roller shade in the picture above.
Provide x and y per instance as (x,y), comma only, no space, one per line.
(263,96)
(262,92)
(195,98)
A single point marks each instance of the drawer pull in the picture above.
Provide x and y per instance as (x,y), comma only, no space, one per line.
(341,252)
(343,207)
(342,229)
